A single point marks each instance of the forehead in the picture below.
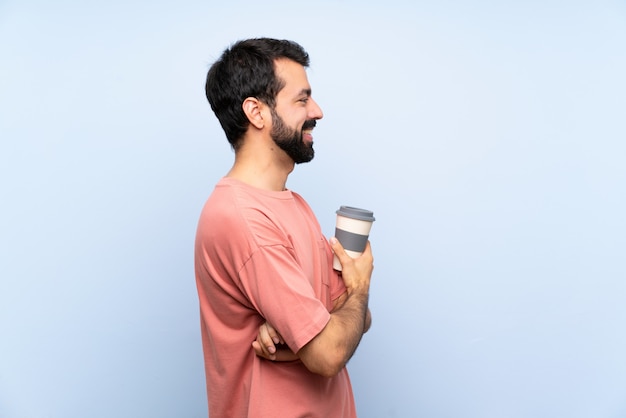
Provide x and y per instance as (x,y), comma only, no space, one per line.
(293,75)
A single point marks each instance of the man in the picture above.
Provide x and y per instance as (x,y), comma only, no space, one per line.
(278,323)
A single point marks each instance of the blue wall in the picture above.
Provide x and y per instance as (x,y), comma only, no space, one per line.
(488,138)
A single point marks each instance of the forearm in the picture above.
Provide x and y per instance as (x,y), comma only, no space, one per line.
(352,322)
(338,303)
(331,349)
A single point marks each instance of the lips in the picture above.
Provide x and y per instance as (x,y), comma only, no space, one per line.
(307,128)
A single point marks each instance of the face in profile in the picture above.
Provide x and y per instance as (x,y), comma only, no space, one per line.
(292,131)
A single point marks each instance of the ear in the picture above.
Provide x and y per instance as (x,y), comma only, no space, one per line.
(252,107)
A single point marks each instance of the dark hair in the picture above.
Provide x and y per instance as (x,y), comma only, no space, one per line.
(246,69)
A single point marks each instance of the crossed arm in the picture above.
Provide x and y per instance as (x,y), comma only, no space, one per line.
(328,352)
(270,345)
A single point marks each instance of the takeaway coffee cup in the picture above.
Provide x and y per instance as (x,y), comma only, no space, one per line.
(352,230)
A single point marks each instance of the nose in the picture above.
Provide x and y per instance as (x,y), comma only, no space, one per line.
(315,111)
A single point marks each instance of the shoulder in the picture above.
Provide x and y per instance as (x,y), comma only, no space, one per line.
(235,209)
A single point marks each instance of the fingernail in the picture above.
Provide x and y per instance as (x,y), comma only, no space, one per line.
(333,240)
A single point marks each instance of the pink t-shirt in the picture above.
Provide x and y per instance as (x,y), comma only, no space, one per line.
(261,256)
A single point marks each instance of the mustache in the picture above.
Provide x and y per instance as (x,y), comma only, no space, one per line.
(309,124)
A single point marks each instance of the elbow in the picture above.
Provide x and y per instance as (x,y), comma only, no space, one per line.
(327,371)
(328,366)
(330,371)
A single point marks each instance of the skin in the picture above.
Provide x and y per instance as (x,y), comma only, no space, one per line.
(262,164)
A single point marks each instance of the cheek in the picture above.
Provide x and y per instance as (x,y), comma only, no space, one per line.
(296,122)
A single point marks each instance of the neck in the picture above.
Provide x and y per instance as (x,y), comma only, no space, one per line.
(266,169)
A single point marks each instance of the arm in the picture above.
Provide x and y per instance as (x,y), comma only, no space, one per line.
(328,352)
(270,345)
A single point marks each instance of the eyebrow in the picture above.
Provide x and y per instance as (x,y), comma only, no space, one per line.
(306,92)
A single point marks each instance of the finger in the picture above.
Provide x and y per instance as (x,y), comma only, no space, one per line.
(265,339)
(339,251)
(367,253)
(338,248)
(368,248)
(273,334)
(259,351)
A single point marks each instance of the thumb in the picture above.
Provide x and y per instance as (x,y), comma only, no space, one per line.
(339,251)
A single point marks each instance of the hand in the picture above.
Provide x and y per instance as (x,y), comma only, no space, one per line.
(356,272)
(271,346)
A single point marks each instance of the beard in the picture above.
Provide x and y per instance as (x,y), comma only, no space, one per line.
(290,140)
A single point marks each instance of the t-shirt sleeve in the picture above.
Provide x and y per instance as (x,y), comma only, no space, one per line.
(282,294)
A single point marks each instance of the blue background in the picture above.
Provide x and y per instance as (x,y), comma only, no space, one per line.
(487,136)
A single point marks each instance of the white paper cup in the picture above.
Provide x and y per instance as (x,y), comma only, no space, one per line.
(352,230)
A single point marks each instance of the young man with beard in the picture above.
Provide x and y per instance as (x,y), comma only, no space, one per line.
(278,323)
